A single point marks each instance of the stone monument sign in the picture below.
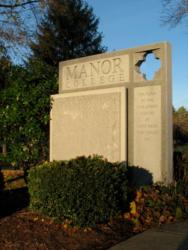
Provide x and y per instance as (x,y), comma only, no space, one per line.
(106,106)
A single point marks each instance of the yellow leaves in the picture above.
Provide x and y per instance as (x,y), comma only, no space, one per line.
(133,208)
(133,204)
(156,205)
(66,224)
(127,216)
(87,229)
(133,212)
(179,213)
(13,163)
(138,196)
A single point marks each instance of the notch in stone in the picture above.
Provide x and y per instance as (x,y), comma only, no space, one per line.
(147,65)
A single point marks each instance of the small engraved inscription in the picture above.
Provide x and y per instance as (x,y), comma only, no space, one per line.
(147,127)
(148,111)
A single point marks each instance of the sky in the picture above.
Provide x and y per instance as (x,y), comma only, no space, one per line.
(133,23)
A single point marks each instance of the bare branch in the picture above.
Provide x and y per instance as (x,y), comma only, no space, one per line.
(174,11)
(12,6)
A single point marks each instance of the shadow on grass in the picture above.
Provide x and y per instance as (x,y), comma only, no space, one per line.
(139,177)
(13,200)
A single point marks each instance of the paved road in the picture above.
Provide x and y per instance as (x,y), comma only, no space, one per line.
(168,237)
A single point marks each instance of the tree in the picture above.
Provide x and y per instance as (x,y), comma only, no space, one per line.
(182,110)
(18,21)
(24,114)
(5,67)
(180,126)
(174,11)
(69,30)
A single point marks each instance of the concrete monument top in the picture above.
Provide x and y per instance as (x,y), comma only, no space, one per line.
(115,69)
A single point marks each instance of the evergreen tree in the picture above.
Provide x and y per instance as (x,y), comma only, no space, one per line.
(180,125)
(5,67)
(69,30)
(24,114)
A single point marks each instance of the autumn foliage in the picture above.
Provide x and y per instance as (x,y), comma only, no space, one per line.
(158,204)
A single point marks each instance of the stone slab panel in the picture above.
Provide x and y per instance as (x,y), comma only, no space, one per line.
(87,123)
(147,129)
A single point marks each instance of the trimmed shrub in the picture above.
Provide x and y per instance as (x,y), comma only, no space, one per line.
(1,181)
(87,191)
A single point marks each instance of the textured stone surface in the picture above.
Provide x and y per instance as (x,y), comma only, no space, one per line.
(89,123)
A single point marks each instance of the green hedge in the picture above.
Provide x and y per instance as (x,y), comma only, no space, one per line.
(84,190)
